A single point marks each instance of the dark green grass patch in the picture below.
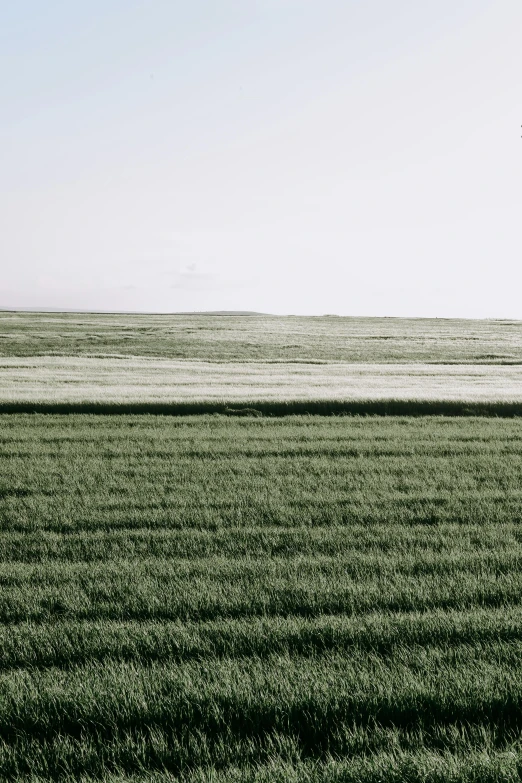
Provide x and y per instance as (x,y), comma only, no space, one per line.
(373,756)
(314,708)
(262,540)
(258,408)
(65,643)
(254,599)
(84,473)
(210,589)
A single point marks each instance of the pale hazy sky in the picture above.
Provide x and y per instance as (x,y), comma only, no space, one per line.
(359,157)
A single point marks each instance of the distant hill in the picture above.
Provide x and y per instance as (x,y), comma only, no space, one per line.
(123,312)
(222,312)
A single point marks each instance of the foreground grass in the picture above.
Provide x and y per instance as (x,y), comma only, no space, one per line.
(393,765)
(214,599)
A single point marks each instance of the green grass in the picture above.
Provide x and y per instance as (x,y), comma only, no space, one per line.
(258,408)
(262,338)
(265,365)
(211,598)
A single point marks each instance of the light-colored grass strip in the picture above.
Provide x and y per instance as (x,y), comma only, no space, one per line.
(54,379)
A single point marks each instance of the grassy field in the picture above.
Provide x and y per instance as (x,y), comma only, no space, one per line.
(305,598)
(262,338)
(183,364)
(76,381)
(297,599)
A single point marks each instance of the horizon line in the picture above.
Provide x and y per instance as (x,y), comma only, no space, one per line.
(243,313)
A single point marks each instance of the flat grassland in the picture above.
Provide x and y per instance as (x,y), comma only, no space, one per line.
(164,363)
(223,338)
(298,599)
(270,599)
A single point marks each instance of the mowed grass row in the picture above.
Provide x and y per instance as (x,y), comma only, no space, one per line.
(410,540)
(260,599)
(66,643)
(231,711)
(77,474)
(206,591)
(311,697)
(465,765)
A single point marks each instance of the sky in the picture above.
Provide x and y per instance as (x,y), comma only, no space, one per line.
(282,156)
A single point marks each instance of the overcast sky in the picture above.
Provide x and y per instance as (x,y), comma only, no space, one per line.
(359,157)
